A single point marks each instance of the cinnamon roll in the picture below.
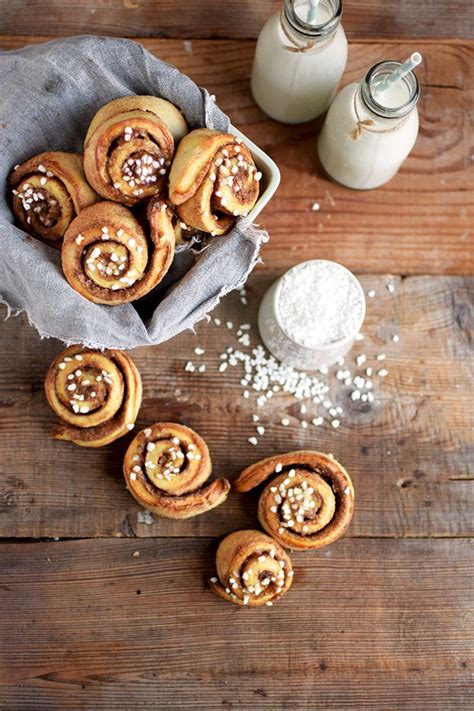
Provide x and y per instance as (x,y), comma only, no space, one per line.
(252,569)
(107,257)
(308,502)
(96,394)
(166,468)
(48,191)
(129,147)
(213,180)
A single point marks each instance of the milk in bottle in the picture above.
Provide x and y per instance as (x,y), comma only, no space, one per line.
(300,56)
(368,132)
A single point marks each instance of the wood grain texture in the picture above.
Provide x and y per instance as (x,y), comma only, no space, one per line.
(371,622)
(212,18)
(409,452)
(382,625)
(419,223)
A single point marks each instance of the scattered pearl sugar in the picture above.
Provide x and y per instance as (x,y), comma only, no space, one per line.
(265,376)
(145,517)
(319,303)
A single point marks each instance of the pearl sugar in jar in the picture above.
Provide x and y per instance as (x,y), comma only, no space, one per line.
(311,316)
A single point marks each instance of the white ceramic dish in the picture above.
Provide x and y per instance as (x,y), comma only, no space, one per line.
(270,174)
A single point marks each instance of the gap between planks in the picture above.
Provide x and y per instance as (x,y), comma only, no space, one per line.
(347,536)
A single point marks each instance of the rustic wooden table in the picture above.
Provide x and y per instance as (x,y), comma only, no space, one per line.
(380,620)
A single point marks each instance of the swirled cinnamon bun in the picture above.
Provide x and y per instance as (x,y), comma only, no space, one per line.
(308,501)
(129,147)
(213,180)
(48,192)
(166,468)
(96,394)
(252,569)
(108,258)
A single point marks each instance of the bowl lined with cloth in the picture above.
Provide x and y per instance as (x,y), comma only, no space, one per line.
(51,94)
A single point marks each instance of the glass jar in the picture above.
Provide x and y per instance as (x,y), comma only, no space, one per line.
(368,133)
(297,64)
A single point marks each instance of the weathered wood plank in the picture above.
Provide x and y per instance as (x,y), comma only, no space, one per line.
(409,452)
(211,18)
(371,624)
(420,223)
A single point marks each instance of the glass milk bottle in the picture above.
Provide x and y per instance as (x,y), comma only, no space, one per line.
(300,57)
(370,128)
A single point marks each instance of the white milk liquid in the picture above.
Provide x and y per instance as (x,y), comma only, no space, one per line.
(374,158)
(294,87)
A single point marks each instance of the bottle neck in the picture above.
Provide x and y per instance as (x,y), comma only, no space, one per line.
(388,101)
(294,16)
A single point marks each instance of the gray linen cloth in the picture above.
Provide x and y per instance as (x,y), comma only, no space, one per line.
(49,94)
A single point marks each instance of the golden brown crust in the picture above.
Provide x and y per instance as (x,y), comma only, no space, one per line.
(96,394)
(107,257)
(213,179)
(129,147)
(48,191)
(166,467)
(163,220)
(308,502)
(252,569)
